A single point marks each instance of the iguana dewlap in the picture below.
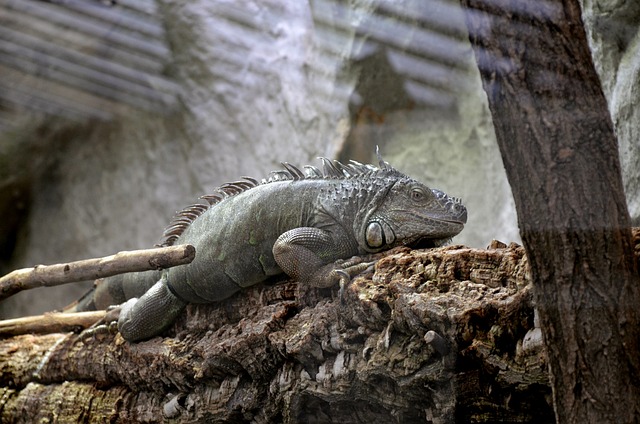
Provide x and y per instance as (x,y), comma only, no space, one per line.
(295,222)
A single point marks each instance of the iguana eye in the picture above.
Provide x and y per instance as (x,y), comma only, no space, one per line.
(417,194)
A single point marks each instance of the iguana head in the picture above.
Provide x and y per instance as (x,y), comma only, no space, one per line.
(407,212)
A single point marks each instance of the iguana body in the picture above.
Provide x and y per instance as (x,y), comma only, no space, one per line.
(294,222)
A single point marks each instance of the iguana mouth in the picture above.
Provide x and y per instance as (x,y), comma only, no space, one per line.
(454,221)
(426,243)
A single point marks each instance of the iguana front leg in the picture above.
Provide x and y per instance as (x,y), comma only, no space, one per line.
(309,255)
(148,316)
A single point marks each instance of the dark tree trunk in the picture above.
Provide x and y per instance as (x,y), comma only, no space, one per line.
(560,153)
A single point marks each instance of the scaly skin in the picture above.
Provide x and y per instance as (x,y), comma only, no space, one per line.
(297,223)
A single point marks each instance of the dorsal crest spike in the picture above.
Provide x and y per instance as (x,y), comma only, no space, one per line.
(212,199)
(312,172)
(239,185)
(253,181)
(279,175)
(347,171)
(295,172)
(228,190)
(383,164)
(330,170)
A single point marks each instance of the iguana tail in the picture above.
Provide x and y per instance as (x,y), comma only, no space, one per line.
(115,290)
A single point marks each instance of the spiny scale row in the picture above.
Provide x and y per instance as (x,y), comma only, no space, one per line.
(331,169)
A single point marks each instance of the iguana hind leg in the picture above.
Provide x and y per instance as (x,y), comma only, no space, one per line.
(148,316)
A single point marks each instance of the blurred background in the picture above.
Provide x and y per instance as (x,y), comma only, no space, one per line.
(116,114)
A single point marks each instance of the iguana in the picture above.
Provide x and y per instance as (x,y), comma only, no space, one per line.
(297,222)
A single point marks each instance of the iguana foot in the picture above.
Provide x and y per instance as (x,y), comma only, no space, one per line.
(107,325)
(349,269)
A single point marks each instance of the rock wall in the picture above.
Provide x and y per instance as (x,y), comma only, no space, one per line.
(270,81)
(248,104)
(613,28)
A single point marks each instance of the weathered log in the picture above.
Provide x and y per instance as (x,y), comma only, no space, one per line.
(431,336)
(444,335)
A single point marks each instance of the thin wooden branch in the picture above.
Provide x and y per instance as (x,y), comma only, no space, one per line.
(50,323)
(90,269)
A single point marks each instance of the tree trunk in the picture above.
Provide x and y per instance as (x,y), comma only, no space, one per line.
(560,153)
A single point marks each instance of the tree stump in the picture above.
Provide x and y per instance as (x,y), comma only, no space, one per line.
(441,335)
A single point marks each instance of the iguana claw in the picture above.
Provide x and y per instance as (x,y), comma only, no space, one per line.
(351,268)
(345,279)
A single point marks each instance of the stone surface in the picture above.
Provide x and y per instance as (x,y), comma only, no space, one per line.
(613,29)
(248,104)
(265,82)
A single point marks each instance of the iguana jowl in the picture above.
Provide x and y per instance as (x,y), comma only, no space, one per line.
(297,222)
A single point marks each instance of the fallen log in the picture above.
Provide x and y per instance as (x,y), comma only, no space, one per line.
(438,335)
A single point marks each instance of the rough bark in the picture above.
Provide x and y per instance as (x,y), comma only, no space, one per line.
(441,335)
(560,153)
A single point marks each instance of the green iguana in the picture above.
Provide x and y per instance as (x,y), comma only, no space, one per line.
(297,222)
